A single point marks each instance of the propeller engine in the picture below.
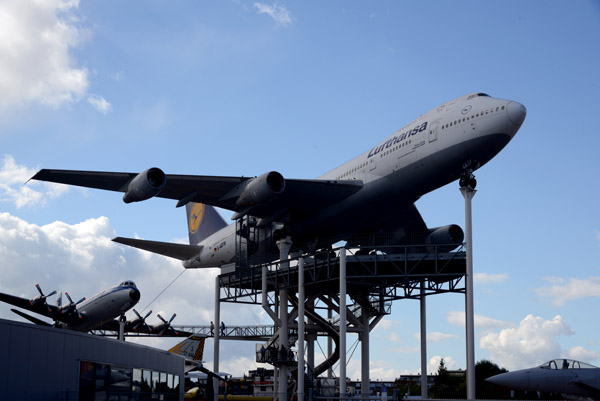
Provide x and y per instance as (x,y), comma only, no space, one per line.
(139,321)
(40,298)
(71,306)
(164,326)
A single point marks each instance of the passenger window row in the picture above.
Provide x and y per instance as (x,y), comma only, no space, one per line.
(472,117)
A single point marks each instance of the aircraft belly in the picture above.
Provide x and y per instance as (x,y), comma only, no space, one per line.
(371,207)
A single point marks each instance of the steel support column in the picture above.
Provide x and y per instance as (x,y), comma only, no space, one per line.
(423,305)
(217,335)
(364,352)
(301,299)
(284,246)
(343,323)
(468,193)
(329,339)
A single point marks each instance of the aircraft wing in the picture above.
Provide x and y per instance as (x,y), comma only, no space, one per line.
(590,385)
(40,308)
(32,319)
(299,197)
(113,325)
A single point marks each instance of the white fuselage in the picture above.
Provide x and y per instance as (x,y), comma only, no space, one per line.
(431,151)
(105,306)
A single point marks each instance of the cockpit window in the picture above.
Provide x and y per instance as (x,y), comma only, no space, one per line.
(477,95)
(566,364)
(127,284)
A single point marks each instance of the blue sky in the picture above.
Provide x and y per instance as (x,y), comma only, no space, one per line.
(242,87)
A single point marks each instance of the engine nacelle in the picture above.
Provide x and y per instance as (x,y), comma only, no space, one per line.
(446,235)
(261,189)
(145,185)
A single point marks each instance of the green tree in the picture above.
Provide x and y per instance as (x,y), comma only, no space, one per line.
(485,390)
(447,385)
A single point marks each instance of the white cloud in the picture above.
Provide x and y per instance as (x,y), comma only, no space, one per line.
(13,189)
(457,318)
(384,370)
(99,103)
(435,336)
(580,354)
(529,344)
(484,278)
(35,64)
(82,259)
(434,364)
(280,14)
(560,292)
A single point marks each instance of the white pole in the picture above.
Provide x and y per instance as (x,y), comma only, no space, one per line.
(216,336)
(364,349)
(301,297)
(423,342)
(468,193)
(329,340)
(343,323)
(284,246)
(217,326)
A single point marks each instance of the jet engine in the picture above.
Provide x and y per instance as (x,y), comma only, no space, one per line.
(451,235)
(145,185)
(261,189)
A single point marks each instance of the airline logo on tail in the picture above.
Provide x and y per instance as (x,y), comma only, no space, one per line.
(192,347)
(195,217)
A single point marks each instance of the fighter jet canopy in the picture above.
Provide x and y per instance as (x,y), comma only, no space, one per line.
(566,364)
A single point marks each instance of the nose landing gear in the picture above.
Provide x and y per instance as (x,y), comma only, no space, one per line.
(467,180)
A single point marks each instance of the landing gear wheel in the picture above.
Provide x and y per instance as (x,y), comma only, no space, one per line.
(467,181)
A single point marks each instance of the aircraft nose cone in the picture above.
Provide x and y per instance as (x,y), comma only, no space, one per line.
(516,380)
(134,295)
(516,112)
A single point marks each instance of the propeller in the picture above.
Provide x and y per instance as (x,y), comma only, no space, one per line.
(40,298)
(72,306)
(136,323)
(161,328)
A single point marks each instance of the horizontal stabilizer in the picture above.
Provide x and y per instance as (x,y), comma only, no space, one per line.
(172,250)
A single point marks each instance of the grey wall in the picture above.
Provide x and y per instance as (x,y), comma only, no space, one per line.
(40,363)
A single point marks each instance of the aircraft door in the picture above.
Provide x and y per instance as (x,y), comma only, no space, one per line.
(433,132)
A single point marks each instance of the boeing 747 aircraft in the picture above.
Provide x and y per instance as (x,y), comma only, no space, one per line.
(100,312)
(359,201)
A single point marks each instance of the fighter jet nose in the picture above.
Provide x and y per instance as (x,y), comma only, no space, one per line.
(503,380)
(516,112)
(134,294)
(517,379)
